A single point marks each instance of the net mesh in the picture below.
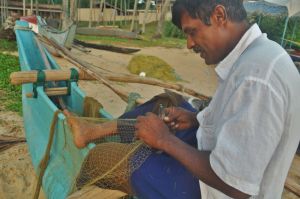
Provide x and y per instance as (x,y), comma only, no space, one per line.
(117,153)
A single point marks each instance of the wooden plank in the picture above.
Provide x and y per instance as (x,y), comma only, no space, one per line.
(93,192)
(292,183)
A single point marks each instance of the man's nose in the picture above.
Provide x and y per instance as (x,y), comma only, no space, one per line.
(190,43)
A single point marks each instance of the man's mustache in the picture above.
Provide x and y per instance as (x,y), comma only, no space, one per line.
(197,49)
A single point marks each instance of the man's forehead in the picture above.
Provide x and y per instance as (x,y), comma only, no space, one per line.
(187,22)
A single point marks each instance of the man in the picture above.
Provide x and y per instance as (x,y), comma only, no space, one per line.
(248,134)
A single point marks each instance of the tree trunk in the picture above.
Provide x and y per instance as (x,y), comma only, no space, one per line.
(91,7)
(145,15)
(121,12)
(36,7)
(133,17)
(115,13)
(125,12)
(101,12)
(31,7)
(161,21)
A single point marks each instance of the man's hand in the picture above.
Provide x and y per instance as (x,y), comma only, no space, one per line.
(152,130)
(180,119)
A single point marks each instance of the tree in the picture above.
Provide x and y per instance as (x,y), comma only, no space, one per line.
(160,23)
(133,17)
(145,15)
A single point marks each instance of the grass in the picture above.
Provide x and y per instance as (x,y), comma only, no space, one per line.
(153,67)
(10,96)
(8,46)
(146,41)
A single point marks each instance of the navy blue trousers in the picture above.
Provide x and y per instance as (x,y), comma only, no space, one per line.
(161,176)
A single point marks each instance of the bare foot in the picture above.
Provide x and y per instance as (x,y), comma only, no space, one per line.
(79,128)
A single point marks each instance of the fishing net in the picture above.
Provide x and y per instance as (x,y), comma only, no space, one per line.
(117,153)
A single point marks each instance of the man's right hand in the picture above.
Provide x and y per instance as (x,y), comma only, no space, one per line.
(180,119)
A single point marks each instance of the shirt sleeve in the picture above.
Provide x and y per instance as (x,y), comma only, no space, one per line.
(251,128)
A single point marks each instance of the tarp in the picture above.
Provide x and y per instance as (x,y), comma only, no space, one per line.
(265,8)
(293,6)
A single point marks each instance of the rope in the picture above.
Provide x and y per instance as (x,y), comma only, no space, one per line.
(44,162)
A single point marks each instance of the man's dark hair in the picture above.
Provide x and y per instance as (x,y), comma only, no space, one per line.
(202,9)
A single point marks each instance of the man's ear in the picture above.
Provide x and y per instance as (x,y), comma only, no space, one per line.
(219,15)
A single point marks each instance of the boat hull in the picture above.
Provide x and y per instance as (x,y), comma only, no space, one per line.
(38,113)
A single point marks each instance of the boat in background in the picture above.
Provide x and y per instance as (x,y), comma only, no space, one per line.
(107,31)
(40,26)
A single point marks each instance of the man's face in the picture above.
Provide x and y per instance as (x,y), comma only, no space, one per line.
(202,38)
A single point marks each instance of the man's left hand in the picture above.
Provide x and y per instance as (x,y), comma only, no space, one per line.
(152,130)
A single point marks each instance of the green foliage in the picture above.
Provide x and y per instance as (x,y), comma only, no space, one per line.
(10,96)
(6,45)
(153,67)
(170,30)
(274,26)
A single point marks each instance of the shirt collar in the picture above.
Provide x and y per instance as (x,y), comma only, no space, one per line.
(224,67)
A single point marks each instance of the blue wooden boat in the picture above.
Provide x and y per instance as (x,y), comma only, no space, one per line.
(38,113)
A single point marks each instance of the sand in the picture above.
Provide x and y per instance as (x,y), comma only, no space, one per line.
(17,177)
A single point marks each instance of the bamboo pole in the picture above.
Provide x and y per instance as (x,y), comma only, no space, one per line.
(24,77)
(17,78)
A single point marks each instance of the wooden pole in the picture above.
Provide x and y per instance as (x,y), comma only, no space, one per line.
(115,13)
(133,17)
(91,8)
(17,78)
(72,10)
(145,15)
(64,14)
(125,12)
(121,12)
(24,8)
(101,13)
(36,7)
(52,92)
(31,7)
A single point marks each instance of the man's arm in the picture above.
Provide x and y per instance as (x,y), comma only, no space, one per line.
(198,163)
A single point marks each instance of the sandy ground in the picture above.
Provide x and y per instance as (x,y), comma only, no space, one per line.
(17,178)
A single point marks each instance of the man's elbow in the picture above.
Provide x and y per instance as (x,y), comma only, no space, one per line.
(238,194)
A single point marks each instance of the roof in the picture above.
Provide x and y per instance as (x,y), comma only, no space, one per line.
(265,8)
(293,6)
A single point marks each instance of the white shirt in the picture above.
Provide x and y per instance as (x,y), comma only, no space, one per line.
(252,124)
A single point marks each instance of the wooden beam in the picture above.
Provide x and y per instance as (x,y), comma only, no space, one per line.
(23,77)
